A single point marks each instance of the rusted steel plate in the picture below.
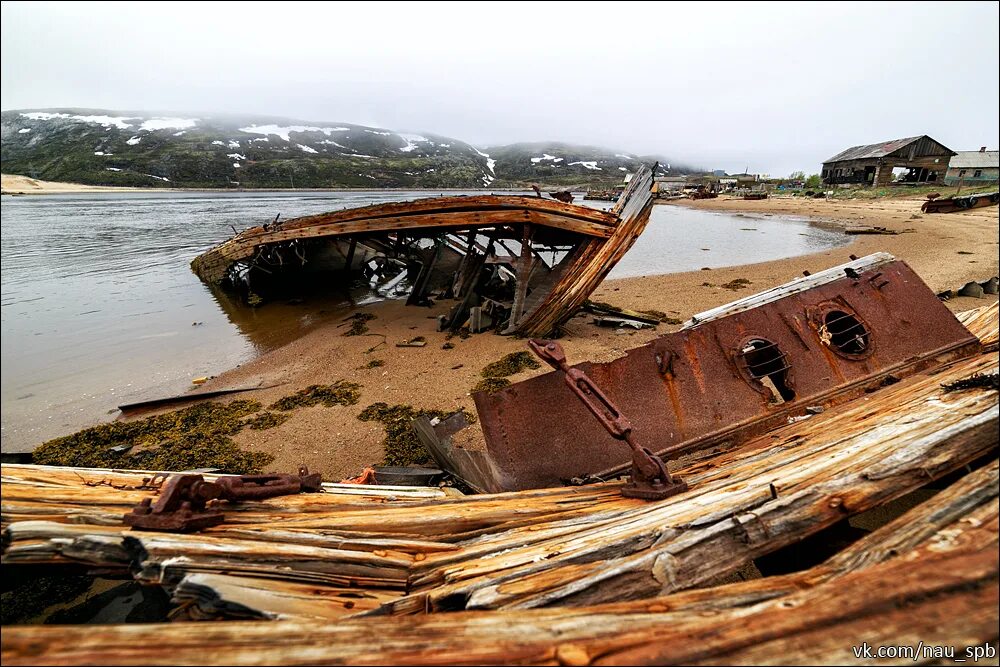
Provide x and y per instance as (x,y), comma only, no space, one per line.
(730,377)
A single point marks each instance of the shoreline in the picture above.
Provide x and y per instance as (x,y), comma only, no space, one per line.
(15,185)
(335,442)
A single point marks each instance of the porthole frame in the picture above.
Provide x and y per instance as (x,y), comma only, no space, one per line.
(756,382)
(818,317)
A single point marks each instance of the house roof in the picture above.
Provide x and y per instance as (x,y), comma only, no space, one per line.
(870,151)
(975,160)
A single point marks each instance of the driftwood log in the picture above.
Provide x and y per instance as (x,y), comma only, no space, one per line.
(573,575)
(930,576)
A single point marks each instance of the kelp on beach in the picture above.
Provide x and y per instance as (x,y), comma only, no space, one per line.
(199,436)
(195,437)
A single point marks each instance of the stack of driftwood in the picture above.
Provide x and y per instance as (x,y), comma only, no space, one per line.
(573,575)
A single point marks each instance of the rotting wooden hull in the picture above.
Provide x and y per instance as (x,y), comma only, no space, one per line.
(571,575)
(478,227)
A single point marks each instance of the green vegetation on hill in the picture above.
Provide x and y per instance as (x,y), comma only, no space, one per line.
(101,147)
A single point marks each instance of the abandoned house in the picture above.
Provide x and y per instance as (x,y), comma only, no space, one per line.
(910,160)
(973,167)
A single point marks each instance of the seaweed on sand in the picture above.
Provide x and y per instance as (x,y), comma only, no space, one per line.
(195,437)
(340,392)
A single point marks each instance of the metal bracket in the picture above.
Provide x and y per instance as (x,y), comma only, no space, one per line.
(183,503)
(650,478)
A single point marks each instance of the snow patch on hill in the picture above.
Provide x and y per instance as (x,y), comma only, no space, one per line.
(284,131)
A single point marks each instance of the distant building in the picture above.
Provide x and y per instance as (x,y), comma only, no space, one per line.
(909,160)
(973,167)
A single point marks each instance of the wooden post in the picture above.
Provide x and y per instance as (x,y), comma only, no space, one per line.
(349,261)
(524,265)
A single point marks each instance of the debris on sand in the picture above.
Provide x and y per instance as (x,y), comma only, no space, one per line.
(513,363)
(359,324)
(340,392)
(195,437)
(401,445)
(737,284)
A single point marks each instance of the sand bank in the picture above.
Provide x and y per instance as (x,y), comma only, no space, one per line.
(947,250)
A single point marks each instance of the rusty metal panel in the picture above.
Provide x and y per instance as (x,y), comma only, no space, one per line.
(718,380)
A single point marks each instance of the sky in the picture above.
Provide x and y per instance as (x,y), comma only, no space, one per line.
(769,87)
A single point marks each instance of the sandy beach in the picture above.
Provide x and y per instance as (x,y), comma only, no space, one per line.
(947,250)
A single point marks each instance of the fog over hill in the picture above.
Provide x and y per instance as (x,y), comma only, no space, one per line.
(138,148)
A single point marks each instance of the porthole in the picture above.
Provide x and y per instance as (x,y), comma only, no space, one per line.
(767,366)
(845,333)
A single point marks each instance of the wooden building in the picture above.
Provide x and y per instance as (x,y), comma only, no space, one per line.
(974,167)
(910,160)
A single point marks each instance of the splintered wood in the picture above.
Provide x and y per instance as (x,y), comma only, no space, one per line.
(574,575)
(591,241)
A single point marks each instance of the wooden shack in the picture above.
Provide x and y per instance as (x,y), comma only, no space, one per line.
(914,159)
(974,168)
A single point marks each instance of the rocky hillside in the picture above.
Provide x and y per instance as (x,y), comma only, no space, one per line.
(101,147)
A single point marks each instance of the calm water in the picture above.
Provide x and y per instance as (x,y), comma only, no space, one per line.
(99,304)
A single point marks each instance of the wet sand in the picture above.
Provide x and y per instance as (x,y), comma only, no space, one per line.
(334,442)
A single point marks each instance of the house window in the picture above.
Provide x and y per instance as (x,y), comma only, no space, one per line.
(961,173)
(979,172)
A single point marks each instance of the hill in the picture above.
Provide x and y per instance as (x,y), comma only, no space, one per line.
(101,147)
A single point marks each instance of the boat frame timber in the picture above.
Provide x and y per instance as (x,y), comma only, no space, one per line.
(593,242)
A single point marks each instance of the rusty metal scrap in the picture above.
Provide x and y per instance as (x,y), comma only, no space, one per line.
(650,478)
(184,498)
(730,373)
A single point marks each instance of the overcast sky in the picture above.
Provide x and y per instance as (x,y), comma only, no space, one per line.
(773,87)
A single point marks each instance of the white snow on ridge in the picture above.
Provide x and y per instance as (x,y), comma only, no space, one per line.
(237,156)
(234,144)
(384,134)
(177,134)
(622,155)
(161,178)
(237,165)
(218,143)
(134,140)
(168,124)
(23,130)
(106,121)
(589,164)
(330,142)
(307,149)
(283,131)
(112,169)
(490,164)
(411,141)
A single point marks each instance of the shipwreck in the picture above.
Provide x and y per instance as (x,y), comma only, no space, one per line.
(573,575)
(519,264)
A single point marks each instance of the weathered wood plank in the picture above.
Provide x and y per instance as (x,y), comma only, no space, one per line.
(941,589)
